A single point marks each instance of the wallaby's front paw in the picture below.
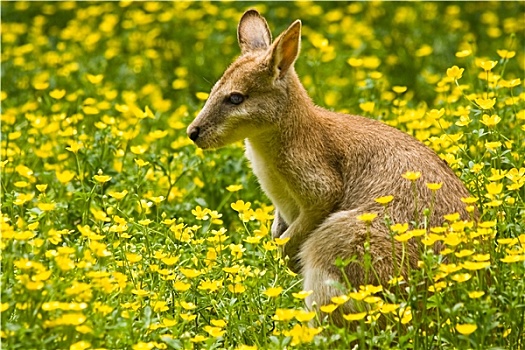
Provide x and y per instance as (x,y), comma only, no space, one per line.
(278,227)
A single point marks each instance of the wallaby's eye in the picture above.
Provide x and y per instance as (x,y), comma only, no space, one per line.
(236,98)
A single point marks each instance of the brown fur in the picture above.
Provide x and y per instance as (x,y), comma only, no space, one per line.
(322,169)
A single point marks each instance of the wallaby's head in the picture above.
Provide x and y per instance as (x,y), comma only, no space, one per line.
(253,92)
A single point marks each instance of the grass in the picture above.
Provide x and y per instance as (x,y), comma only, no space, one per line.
(118,233)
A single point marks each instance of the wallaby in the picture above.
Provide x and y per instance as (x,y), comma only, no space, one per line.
(322,169)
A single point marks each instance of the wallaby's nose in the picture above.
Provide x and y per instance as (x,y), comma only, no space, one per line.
(193,133)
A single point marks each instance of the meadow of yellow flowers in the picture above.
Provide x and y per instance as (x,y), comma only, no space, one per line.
(117,233)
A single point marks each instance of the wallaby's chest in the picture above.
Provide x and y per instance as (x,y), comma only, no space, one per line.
(273,182)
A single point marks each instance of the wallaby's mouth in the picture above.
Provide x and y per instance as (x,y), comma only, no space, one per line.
(196,134)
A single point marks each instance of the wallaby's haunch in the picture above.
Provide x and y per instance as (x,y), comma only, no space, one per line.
(322,169)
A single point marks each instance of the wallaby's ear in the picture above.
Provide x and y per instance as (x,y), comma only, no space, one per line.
(253,32)
(285,49)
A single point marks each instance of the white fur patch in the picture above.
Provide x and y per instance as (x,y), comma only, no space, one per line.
(318,281)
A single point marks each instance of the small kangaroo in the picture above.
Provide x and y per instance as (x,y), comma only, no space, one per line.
(322,169)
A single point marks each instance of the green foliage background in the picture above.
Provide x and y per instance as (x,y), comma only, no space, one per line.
(118,233)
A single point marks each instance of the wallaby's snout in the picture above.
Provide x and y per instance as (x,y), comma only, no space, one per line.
(193,132)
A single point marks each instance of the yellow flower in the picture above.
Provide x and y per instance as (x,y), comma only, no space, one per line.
(232,270)
(140,162)
(412,175)
(214,331)
(138,150)
(57,94)
(252,240)
(355,317)
(284,314)
(424,50)
(367,217)
(94,79)
(341,299)
(399,89)
(510,83)
(179,84)
(240,206)
(198,338)
(384,200)
(435,114)
(476,294)
(117,195)
(90,110)
(75,146)
(133,258)
(80,345)
(234,188)
(302,294)
(485,104)
(188,305)
(22,198)
(403,237)
(473,266)
(455,72)
(190,273)
(505,54)
(148,113)
(463,253)
(157,200)
(463,53)
(218,323)
(273,292)
(372,299)
(236,288)
(302,334)
(452,217)
(4,307)
(65,176)
(461,277)
(491,146)
(188,317)
(481,257)
(466,328)
(203,96)
(328,308)
(367,106)
(490,121)
(102,178)
(46,206)
(144,222)
(389,308)
(181,286)
(464,120)
(487,65)
(513,258)
(494,188)
(200,214)
(281,241)
(304,316)
(172,260)
(396,280)
(399,228)
(434,186)
(469,200)
(143,346)
(160,306)
(167,322)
